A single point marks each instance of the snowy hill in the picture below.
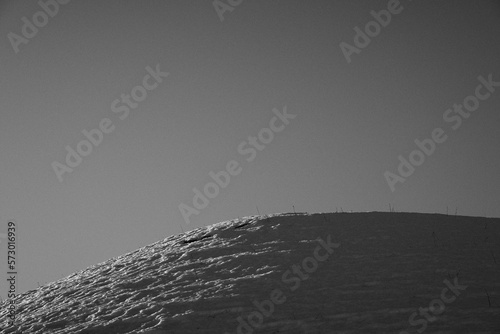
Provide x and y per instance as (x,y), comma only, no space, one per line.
(286,273)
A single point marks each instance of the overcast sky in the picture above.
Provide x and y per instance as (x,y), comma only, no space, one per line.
(278,94)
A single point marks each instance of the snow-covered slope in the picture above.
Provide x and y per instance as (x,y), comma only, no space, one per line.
(286,273)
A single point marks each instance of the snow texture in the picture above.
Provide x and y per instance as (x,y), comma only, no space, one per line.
(383,267)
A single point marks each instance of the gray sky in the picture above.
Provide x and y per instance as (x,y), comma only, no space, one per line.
(352,119)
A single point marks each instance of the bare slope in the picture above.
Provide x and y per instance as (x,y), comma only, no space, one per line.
(287,273)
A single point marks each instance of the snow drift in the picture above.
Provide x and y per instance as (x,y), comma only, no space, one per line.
(286,273)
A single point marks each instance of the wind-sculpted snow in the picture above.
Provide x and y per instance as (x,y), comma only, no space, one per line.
(359,273)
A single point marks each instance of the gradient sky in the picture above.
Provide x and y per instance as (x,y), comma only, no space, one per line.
(352,120)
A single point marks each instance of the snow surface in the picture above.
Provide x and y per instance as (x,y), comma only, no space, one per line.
(383,267)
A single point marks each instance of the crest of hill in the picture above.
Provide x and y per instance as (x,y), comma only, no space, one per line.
(205,280)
